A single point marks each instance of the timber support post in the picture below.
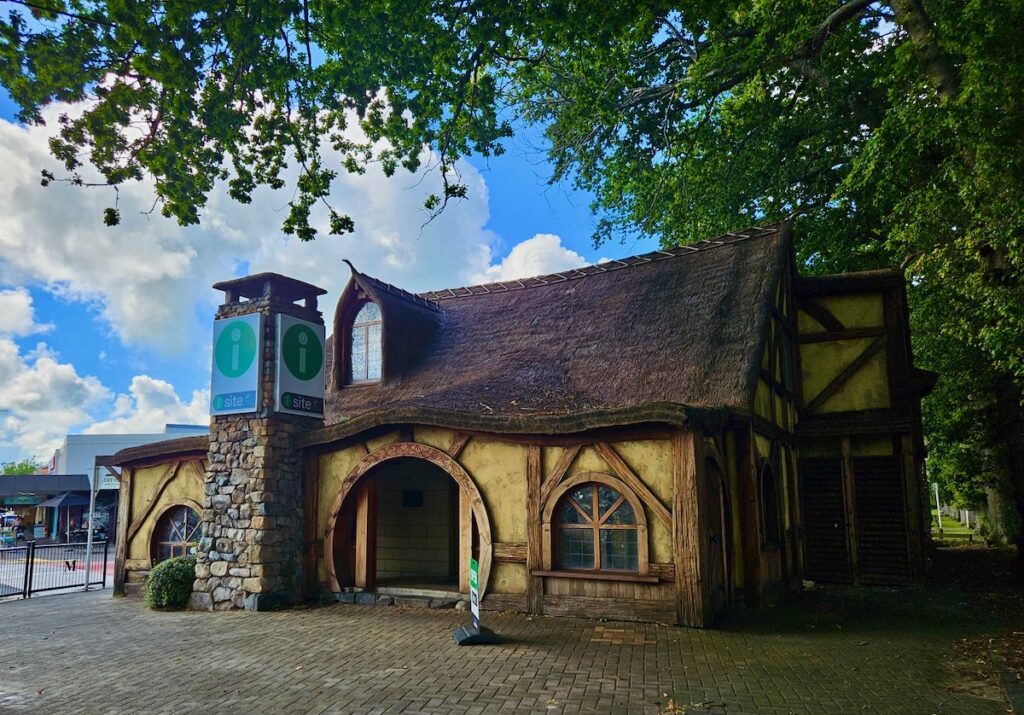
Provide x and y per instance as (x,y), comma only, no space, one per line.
(690,547)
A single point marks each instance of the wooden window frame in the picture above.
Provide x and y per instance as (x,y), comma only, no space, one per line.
(352,326)
(156,543)
(550,524)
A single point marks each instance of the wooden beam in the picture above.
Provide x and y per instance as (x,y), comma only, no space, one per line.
(311,503)
(849,507)
(124,512)
(845,334)
(623,472)
(168,477)
(365,551)
(558,473)
(849,371)
(912,499)
(459,440)
(690,548)
(534,532)
(750,535)
(821,314)
(510,552)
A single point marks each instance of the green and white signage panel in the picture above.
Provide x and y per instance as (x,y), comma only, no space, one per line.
(235,384)
(299,387)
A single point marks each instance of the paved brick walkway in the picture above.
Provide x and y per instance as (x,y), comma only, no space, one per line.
(856,652)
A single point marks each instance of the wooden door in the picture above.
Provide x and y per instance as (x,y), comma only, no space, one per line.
(882,553)
(718,537)
(823,505)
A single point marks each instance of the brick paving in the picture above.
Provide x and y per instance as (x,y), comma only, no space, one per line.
(844,651)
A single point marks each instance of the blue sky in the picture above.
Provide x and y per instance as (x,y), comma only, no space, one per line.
(108,329)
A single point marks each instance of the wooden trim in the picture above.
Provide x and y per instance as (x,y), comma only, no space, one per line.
(822,315)
(168,477)
(466,540)
(560,470)
(398,450)
(534,532)
(689,532)
(459,440)
(512,552)
(664,572)
(770,430)
(363,508)
(616,609)
(845,334)
(623,471)
(547,556)
(847,372)
(597,576)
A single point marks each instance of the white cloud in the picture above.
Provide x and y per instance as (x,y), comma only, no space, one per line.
(537,256)
(17,314)
(149,405)
(41,398)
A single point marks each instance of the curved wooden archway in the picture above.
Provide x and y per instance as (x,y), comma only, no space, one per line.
(439,459)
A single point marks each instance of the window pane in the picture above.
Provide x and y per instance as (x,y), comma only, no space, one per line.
(584,496)
(618,549)
(570,514)
(623,515)
(373,354)
(367,314)
(606,496)
(576,548)
(358,354)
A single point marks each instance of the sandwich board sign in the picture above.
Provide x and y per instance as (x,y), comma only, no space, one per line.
(235,383)
(299,387)
(476,634)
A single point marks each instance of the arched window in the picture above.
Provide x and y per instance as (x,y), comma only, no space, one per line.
(770,528)
(175,533)
(596,530)
(365,345)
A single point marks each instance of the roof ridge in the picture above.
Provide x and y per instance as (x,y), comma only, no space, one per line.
(420,300)
(614,264)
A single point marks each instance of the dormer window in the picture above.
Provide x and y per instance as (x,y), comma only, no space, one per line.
(365,345)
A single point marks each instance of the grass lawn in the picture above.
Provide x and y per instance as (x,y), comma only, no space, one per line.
(952,529)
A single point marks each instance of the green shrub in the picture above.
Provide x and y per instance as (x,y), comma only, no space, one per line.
(170,583)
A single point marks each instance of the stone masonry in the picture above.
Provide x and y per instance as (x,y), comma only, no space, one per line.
(250,553)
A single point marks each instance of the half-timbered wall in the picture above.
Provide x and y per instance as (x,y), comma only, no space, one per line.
(859,429)
(147,492)
(519,484)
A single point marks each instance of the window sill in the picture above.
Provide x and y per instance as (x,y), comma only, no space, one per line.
(598,576)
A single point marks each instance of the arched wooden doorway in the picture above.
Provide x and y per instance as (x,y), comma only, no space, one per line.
(353,507)
(720,536)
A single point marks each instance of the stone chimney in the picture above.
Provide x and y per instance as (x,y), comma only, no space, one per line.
(250,553)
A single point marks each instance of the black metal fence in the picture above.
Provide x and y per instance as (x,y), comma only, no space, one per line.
(36,568)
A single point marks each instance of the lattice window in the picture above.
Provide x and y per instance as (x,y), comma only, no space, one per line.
(596,530)
(365,355)
(175,534)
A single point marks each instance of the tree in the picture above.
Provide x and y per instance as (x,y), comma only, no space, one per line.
(25,466)
(894,129)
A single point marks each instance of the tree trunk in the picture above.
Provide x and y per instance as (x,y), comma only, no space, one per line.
(937,64)
(1010,406)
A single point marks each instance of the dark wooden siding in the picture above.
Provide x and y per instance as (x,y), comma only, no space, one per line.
(825,552)
(882,556)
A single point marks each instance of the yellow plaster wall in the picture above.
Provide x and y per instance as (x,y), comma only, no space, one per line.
(498,468)
(651,461)
(822,362)
(507,578)
(857,310)
(334,467)
(434,436)
(144,482)
(870,446)
(763,400)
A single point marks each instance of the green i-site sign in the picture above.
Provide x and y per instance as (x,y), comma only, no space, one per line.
(235,382)
(300,361)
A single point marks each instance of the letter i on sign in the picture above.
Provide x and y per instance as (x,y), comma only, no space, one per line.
(236,335)
(303,339)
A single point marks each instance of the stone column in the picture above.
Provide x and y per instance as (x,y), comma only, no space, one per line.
(250,553)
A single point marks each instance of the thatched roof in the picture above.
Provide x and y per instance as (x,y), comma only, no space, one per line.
(670,336)
(157,451)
